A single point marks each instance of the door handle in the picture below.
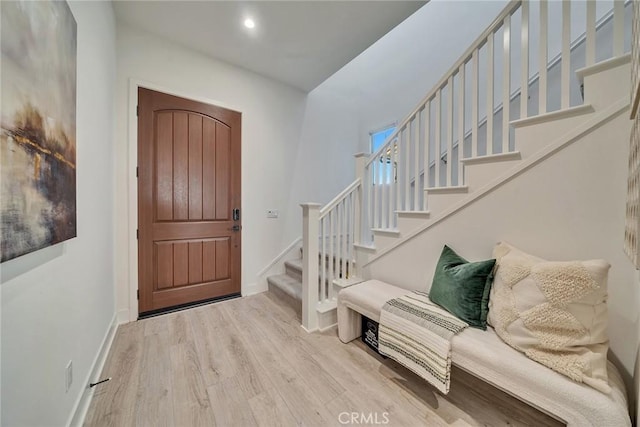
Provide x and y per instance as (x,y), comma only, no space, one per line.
(236,228)
(236,214)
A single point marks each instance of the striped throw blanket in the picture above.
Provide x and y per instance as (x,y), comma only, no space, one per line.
(417,334)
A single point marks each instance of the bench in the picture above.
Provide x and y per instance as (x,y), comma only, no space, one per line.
(484,355)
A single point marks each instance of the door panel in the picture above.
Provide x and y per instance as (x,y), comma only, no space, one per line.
(189,182)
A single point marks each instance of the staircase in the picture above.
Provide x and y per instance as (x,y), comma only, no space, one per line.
(460,146)
(288,286)
(333,272)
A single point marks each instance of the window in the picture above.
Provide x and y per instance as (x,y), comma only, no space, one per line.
(379,137)
(386,172)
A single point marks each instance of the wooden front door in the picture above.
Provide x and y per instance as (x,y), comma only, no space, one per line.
(188,201)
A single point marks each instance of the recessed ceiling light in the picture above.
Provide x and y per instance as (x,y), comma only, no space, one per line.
(249,23)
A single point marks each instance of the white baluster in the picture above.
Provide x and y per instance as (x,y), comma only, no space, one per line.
(438,139)
(591,33)
(460,123)
(359,206)
(373,197)
(542,79)
(384,199)
(475,81)
(449,164)
(323,257)
(388,166)
(343,241)
(332,246)
(396,173)
(338,250)
(416,163)
(381,205)
(355,229)
(524,66)
(369,188)
(406,144)
(565,66)
(490,80)
(345,237)
(618,27)
(393,190)
(427,145)
(388,183)
(506,82)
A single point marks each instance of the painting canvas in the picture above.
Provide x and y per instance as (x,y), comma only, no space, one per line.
(37,125)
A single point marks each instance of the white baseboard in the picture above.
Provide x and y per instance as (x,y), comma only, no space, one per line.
(123,316)
(254,288)
(81,407)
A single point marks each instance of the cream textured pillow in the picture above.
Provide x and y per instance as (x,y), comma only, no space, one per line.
(554,312)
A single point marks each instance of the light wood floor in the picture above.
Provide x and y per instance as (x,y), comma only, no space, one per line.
(247,362)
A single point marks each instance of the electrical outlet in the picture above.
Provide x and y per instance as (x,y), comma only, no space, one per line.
(68,376)
(272,213)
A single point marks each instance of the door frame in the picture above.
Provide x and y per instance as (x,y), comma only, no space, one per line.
(131,315)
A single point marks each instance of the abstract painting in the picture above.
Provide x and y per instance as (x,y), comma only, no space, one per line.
(37,126)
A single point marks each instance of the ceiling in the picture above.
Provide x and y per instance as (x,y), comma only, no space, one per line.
(300,43)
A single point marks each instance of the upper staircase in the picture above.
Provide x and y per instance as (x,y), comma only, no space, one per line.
(495,114)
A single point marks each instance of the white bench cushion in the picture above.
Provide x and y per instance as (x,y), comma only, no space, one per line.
(483,354)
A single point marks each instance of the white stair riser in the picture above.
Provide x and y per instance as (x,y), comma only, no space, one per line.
(529,142)
(293,272)
(480,174)
(407,223)
(439,202)
(603,88)
(383,240)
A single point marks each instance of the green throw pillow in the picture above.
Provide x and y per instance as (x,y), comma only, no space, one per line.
(462,287)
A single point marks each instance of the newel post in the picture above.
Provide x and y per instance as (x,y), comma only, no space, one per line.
(310,233)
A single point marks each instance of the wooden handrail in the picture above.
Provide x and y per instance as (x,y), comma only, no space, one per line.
(344,193)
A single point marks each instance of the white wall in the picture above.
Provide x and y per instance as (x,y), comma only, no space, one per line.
(272,114)
(58,303)
(324,164)
(393,75)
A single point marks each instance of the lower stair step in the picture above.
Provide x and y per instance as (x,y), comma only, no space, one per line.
(285,284)
(293,268)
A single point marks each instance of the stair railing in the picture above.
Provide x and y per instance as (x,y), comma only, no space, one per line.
(452,123)
(328,253)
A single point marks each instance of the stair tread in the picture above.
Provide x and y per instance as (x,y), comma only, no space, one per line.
(295,264)
(492,158)
(447,190)
(345,283)
(287,284)
(413,213)
(553,115)
(326,306)
(393,231)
